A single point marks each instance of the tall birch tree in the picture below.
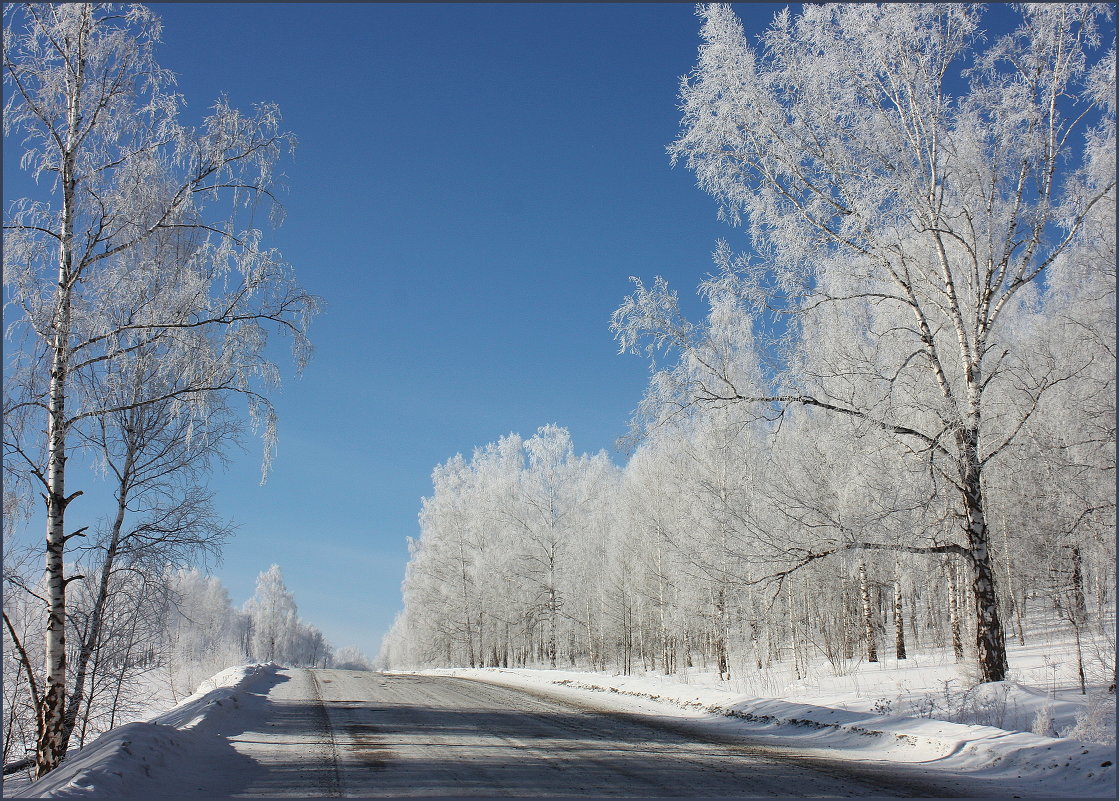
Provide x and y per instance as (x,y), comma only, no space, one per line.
(887,165)
(136,242)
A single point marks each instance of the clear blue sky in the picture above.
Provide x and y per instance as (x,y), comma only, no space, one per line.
(473,186)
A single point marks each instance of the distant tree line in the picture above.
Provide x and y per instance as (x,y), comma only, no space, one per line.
(162,636)
(701,552)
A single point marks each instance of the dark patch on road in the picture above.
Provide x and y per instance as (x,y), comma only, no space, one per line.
(367,745)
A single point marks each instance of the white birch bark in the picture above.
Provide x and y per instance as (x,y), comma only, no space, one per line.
(869,638)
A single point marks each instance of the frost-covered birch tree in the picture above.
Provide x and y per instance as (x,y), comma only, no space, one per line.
(555,492)
(135,242)
(891,165)
(274,617)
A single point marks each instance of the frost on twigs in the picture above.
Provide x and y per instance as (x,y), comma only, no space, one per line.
(716,361)
(1096,723)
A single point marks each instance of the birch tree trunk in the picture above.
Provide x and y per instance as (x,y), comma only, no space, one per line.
(51,746)
(990,642)
(92,638)
(914,627)
(868,615)
(49,749)
(899,621)
(553,609)
(720,632)
(954,610)
(1014,609)
(1079,604)
(465,602)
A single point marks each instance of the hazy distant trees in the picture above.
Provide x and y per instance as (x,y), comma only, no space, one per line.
(272,616)
(275,631)
(163,632)
(203,633)
(494,578)
(134,249)
(350,658)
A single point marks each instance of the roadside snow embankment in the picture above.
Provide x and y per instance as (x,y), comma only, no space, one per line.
(122,762)
(1056,765)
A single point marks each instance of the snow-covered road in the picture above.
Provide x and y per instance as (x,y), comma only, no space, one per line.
(266,731)
(336,732)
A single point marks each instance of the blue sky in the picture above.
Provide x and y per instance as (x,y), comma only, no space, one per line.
(473,186)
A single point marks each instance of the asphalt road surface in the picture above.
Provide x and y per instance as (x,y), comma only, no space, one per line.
(328,733)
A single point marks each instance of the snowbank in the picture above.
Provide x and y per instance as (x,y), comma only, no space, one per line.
(123,762)
(1042,765)
(215,695)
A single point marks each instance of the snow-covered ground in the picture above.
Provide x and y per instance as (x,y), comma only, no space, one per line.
(923,712)
(924,709)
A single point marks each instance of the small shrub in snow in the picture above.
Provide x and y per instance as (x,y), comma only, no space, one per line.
(1096,723)
(988,705)
(1043,722)
(945,704)
(883,706)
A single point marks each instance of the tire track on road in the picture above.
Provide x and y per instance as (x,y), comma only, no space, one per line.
(334,782)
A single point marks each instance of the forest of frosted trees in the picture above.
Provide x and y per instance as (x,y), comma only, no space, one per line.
(895,428)
(532,556)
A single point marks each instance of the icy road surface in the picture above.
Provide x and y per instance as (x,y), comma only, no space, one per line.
(349,733)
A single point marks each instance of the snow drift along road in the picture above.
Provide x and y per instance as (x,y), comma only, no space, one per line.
(169,751)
